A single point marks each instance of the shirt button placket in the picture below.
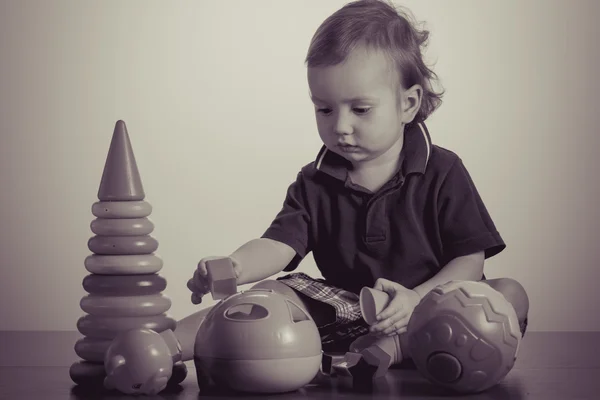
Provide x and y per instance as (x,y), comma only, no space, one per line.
(375,221)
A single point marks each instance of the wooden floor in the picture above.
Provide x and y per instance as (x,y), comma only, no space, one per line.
(565,366)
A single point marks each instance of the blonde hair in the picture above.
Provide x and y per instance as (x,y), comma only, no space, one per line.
(383,26)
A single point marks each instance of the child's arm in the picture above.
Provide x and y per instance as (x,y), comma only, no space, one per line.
(261,258)
(394,318)
(287,237)
(466,228)
(467,268)
(252,262)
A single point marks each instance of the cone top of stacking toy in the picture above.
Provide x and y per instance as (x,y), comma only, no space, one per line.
(121,179)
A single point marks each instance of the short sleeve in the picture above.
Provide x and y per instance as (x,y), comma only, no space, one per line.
(465,224)
(291,225)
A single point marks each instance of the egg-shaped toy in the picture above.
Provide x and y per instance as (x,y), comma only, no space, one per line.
(464,335)
(258,341)
(139,361)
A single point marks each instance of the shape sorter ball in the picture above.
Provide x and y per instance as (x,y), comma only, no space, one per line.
(464,335)
(258,341)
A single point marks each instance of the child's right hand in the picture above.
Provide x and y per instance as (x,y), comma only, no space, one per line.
(199,284)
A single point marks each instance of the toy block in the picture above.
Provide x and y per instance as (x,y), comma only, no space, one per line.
(329,360)
(347,364)
(354,368)
(378,358)
(221,277)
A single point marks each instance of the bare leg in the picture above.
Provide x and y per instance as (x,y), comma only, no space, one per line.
(186,332)
(515,294)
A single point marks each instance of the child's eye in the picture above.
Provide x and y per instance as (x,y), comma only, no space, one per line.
(324,111)
(362,110)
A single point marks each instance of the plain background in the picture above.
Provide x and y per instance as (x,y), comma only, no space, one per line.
(215,99)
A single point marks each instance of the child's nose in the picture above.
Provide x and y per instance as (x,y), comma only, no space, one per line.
(343,125)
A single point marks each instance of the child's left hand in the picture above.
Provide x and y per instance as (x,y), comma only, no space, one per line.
(393,320)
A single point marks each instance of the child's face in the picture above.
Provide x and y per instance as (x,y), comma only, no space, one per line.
(359,107)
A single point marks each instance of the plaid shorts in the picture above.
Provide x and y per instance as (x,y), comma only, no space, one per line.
(348,324)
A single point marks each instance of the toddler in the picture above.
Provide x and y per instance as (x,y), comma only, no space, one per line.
(381,205)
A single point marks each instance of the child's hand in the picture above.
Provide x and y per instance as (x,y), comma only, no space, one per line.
(199,284)
(393,320)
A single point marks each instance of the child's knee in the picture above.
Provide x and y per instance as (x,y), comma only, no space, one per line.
(514,293)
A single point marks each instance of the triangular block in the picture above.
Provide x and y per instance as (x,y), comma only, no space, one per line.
(121,179)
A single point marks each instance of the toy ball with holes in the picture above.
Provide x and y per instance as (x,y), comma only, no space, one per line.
(464,336)
(257,341)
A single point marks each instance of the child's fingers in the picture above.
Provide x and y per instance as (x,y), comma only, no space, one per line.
(195,286)
(383,325)
(399,331)
(384,285)
(237,268)
(393,308)
(197,293)
(388,286)
(199,281)
(196,299)
(191,285)
(202,267)
(390,324)
(198,285)
(397,327)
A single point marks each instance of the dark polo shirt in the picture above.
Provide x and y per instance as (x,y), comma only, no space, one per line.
(429,213)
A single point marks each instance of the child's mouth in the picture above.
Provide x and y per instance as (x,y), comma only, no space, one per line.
(346,148)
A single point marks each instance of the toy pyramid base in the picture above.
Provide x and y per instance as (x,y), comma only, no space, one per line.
(92,374)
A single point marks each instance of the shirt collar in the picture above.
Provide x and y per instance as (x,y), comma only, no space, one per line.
(416,150)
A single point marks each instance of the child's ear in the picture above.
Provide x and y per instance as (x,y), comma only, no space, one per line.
(411,102)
